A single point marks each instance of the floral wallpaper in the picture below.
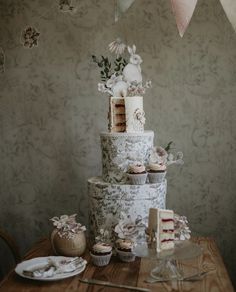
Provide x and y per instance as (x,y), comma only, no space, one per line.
(51,113)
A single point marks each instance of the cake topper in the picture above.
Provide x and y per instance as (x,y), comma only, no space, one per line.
(121,78)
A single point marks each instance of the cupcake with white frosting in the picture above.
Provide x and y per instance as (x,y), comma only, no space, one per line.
(137,174)
(101,254)
(156,172)
(124,248)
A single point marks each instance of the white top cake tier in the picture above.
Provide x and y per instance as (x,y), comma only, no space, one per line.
(126,114)
(119,150)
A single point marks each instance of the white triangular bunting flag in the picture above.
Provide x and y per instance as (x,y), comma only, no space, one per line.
(230,10)
(121,6)
(183,11)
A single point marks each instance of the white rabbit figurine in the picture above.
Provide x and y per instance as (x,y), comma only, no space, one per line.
(132,71)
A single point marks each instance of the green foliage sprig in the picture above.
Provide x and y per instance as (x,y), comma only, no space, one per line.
(168,147)
(120,64)
(106,68)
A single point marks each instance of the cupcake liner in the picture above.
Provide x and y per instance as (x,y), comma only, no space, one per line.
(126,256)
(100,260)
(137,179)
(156,177)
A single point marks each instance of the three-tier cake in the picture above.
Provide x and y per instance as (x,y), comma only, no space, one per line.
(125,143)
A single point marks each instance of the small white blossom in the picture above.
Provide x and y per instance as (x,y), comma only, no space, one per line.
(175,160)
(140,116)
(148,84)
(102,88)
(182,231)
(103,236)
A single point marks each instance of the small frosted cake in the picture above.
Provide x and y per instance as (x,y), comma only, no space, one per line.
(101,254)
(125,250)
(156,173)
(137,174)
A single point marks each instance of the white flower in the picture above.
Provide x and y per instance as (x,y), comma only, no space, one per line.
(178,160)
(140,116)
(129,228)
(148,84)
(101,87)
(158,155)
(103,236)
(67,225)
(182,231)
(117,46)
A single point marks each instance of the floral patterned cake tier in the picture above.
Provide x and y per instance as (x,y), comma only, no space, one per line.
(108,201)
(119,150)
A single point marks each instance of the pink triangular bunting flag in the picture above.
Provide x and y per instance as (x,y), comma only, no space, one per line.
(183,11)
(230,10)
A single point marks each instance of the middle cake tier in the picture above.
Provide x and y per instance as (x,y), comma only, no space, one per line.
(119,150)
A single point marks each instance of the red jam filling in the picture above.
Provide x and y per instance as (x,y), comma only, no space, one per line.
(167,240)
(167,220)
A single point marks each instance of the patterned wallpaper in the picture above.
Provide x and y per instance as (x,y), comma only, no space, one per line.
(51,113)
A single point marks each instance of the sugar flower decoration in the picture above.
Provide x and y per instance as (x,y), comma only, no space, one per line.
(178,159)
(140,116)
(158,155)
(67,226)
(163,156)
(103,236)
(182,231)
(117,47)
(130,228)
(103,88)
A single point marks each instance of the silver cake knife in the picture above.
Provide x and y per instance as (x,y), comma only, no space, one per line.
(109,284)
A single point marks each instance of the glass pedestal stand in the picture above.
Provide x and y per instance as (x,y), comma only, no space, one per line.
(166,268)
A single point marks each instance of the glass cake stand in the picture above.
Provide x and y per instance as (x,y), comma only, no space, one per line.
(166,268)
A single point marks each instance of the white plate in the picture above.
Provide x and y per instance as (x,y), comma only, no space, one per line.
(41,261)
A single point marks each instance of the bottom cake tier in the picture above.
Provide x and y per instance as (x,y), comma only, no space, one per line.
(108,201)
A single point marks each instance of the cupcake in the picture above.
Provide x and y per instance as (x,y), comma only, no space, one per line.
(101,254)
(137,174)
(156,172)
(125,250)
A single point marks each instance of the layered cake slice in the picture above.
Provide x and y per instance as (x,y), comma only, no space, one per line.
(117,115)
(161,222)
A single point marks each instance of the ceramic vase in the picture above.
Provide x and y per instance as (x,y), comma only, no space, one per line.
(71,247)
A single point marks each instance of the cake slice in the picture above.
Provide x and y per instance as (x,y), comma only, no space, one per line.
(161,222)
(117,119)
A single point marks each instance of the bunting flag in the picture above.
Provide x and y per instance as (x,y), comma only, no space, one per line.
(121,6)
(230,10)
(183,11)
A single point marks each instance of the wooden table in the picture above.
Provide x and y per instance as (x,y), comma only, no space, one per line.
(128,273)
